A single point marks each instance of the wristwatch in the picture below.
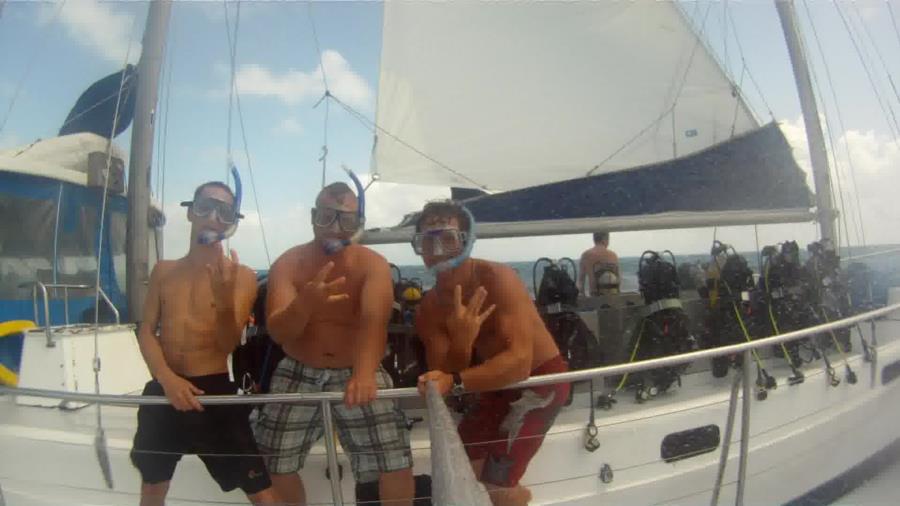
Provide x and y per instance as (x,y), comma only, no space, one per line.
(457,389)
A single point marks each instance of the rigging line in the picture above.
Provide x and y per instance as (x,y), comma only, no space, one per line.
(170,55)
(232,50)
(893,20)
(324,157)
(699,37)
(833,152)
(749,72)
(892,126)
(315,35)
(725,38)
(737,100)
(237,99)
(377,128)
(840,117)
(28,66)
(877,51)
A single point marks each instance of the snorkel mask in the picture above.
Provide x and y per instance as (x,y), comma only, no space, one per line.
(210,236)
(439,239)
(333,246)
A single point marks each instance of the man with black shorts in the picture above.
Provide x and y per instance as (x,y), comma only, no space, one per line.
(195,311)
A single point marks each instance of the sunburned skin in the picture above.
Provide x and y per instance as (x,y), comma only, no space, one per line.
(512,332)
(199,303)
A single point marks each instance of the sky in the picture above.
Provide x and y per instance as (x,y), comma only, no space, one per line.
(283,46)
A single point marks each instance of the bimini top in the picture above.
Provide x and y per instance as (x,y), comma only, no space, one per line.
(65,158)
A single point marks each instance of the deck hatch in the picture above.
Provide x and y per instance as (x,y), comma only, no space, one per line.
(890,372)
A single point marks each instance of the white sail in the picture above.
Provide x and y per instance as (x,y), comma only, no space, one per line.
(494,95)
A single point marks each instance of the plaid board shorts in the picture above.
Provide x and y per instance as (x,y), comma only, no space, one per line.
(375,435)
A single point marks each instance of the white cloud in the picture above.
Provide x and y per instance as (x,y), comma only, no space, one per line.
(294,86)
(98,26)
(876,160)
(288,126)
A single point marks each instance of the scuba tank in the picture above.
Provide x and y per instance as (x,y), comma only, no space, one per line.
(556,299)
(663,329)
(557,285)
(829,301)
(404,358)
(729,292)
(784,302)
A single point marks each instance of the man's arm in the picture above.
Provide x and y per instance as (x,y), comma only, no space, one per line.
(513,325)
(286,315)
(179,391)
(230,321)
(376,300)
(147,340)
(432,334)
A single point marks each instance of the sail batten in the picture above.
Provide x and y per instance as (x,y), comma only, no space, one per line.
(502,96)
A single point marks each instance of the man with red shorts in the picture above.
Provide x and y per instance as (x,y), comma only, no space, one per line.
(499,329)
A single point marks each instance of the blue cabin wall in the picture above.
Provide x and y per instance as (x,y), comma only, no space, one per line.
(49,228)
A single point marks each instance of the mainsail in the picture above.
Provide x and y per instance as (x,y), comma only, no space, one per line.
(609,98)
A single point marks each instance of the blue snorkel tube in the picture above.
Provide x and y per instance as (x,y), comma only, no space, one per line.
(209,236)
(453,263)
(333,246)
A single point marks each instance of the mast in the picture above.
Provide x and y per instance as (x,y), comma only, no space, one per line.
(138,245)
(815,139)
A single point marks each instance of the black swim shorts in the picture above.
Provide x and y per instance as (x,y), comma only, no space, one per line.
(219,435)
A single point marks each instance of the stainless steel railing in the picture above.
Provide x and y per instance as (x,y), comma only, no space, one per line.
(39,288)
(327,398)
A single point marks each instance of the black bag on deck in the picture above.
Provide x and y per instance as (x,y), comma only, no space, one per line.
(254,361)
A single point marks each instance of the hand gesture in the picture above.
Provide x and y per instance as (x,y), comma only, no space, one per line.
(442,380)
(222,277)
(361,389)
(182,393)
(464,322)
(319,292)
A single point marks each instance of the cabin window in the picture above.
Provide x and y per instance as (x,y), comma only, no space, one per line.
(77,243)
(26,242)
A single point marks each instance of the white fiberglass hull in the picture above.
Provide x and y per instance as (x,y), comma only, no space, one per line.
(802,437)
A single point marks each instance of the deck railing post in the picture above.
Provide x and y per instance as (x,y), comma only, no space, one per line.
(747,394)
(331,453)
(726,443)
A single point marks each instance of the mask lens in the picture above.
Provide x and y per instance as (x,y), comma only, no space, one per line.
(451,240)
(324,217)
(224,211)
(349,222)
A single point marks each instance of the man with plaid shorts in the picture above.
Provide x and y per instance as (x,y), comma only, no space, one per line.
(329,307)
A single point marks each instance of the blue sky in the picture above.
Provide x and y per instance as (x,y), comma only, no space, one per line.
(279,77)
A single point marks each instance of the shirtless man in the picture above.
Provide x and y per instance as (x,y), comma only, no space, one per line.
(329,311)
(195,311)
(499,327)
(599,264)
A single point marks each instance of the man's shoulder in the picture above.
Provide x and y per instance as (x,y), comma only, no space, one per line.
(368,254)
(496,275)
(164,267)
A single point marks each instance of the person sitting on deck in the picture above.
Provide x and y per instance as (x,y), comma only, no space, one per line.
(600,265)
(195,311)
(329,307)
(499,327)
